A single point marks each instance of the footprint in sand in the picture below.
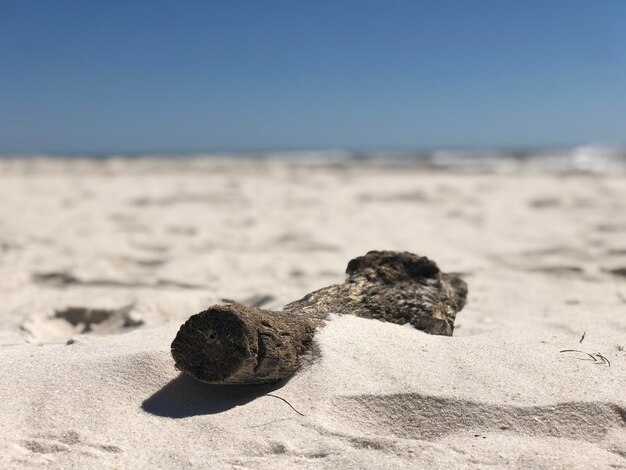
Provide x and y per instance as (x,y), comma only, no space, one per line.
(70,321)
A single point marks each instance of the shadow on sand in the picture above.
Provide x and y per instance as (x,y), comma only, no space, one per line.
(184,397)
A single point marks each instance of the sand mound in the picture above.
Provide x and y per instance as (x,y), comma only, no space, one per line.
(371,393)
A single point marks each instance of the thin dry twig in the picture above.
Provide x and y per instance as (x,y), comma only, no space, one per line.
(604,359)
(579,351)
(596,357)
(281,398)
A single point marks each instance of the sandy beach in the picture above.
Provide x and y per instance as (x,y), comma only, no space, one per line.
(101,261)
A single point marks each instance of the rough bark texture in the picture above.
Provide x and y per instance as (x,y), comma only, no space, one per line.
(235,344)
(395,287)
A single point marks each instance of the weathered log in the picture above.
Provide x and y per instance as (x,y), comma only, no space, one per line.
(235,344)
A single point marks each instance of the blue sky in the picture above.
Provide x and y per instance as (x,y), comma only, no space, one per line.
(134,76)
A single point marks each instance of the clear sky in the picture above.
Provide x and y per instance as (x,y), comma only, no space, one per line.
(133,76)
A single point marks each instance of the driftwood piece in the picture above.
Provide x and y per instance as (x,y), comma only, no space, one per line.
(235,344)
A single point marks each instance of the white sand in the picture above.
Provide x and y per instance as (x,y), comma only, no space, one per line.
(148,243)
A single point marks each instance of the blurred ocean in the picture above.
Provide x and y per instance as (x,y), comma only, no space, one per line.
(582,159)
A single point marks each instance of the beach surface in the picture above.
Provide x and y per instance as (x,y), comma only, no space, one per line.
(101,261)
